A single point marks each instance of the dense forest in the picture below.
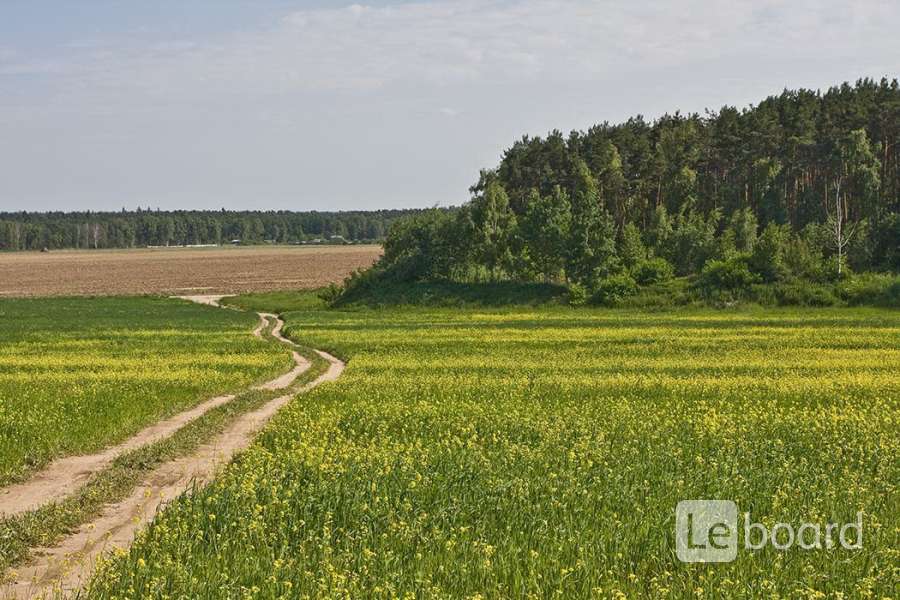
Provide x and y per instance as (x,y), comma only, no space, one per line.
(803,186)
(130,229)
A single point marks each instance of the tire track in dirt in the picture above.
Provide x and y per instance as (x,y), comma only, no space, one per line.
(67,566)
(64,476)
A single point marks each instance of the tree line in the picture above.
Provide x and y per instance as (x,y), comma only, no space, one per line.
(804,185)
(140,228)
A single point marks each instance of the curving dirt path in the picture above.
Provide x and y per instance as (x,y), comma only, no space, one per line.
(67,566)
(64,476)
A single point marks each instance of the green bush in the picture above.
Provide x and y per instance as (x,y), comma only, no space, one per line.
(653,270)
(613,290)
(380,290)
(767,258)
(830,270)
(674,292)
(886,248)
(874,289)
(802,293)
(763,294)
(891,296)
(726,279)
(330,293)
(578,295)
(359,284)
(802,260)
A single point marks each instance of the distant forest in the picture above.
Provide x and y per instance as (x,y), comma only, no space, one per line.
(140,228)
(804,185)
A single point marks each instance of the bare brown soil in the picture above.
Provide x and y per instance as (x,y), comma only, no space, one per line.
(180,271)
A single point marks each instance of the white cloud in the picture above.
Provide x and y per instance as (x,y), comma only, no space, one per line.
(463,42)
(356,104)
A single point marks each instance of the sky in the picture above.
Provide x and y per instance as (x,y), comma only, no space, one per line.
(329,105)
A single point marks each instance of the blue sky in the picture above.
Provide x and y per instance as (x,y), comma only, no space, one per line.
(322,104)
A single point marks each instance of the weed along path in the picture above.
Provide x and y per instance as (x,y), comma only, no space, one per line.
(67,566)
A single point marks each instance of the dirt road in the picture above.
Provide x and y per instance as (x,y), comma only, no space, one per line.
(68,565)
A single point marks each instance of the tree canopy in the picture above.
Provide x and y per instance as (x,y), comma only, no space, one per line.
(755,191)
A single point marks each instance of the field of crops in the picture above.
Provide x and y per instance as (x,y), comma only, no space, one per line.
(542,453)
(77,375)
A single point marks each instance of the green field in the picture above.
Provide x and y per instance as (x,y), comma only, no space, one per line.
(77,375)
(541,453)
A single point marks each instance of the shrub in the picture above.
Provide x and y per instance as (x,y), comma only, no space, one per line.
(830,269)
(891,295)
(767,259)
(654,270)
(631,248)
(802,259)
(861,250)
(802,293)
(612,290)
(674,292)
(763,294)
(870,289)
(331,293)
(578,295)
(726,279)
(358,284)
(886,249)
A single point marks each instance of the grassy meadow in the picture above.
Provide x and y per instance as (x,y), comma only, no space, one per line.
(79,374)
(540,453)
